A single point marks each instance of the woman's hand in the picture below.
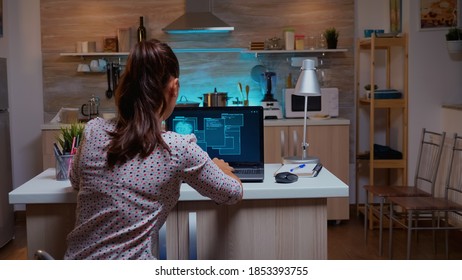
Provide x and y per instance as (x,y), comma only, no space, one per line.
(228,170)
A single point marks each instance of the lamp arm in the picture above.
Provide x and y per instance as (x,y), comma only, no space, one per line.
(304,144)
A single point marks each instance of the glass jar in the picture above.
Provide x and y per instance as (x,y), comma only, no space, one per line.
(299,42)
(274,43)
(322,42)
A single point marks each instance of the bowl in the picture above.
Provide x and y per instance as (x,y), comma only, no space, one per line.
(368,33)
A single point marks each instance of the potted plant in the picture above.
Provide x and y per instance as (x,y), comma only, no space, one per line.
(68,134)
(454,40)
(331,35)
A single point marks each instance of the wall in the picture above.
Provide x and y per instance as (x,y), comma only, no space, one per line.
(21,46)
(65,22)
(434,76)
(434,79)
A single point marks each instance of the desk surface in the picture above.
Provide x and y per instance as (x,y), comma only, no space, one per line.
(44,188)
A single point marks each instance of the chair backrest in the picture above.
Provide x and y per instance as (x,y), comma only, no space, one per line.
(431,149)
(453,184)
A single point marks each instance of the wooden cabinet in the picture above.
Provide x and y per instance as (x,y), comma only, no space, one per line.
(330,143)
(380,119)
(252,229)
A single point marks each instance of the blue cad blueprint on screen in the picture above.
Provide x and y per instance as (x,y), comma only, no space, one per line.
(221,133)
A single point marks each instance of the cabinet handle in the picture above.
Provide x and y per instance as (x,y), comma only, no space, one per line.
(294,144)
(283,143)
(192,237)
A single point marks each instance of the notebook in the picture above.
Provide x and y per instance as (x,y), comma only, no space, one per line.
(234,134)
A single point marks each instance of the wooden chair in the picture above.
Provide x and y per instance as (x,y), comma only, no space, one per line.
(431,147)
(445,212)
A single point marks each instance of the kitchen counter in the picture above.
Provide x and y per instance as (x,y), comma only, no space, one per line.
(44,188)
(297,210)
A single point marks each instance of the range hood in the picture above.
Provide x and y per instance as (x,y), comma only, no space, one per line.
(198,18)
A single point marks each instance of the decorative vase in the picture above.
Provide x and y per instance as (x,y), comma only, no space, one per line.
(454,46)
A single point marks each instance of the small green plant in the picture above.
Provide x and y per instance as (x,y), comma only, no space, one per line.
(331,34)
(454,34)
(66,137)
(368,87)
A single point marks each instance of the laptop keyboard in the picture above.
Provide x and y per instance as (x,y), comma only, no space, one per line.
(247,171)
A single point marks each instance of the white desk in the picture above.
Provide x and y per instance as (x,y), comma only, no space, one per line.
(274,221)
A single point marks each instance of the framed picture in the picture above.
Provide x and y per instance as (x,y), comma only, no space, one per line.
(395,16)
(438,14)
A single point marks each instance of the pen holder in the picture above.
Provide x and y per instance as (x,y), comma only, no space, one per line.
(63,166)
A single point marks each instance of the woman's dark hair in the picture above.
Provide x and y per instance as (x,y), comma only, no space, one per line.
(140,101)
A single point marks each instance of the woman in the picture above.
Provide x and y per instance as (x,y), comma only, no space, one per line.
(128,171)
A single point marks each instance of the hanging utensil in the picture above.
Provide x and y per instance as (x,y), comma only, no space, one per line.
(115,75)
(109,89)
(247,90)
(239,86)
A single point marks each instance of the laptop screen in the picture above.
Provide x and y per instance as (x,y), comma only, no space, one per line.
(234,134)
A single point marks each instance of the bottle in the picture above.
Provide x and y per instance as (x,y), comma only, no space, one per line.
(289,39)
(141,31)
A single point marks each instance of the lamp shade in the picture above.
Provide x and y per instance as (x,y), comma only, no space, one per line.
(307,84)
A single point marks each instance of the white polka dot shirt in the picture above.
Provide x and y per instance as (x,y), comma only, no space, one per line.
(120,211)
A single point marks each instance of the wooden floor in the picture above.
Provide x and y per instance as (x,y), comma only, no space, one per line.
(345,242)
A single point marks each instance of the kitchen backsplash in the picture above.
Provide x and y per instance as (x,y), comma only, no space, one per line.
(65,22)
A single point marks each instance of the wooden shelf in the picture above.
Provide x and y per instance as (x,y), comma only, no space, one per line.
(383,103)
(121,54)
(382,43)
(395,52)
(212,50)
(386,163)
(96,54)
(295,51)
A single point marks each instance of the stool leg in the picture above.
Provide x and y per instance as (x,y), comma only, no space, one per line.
(381,226)
(409,234)
(366,213)
(390,231)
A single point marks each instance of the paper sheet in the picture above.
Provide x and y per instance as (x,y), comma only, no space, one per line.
(306,171)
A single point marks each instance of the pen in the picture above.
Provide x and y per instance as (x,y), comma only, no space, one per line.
(57,150)
(317,169)
(297,167)
(73,149)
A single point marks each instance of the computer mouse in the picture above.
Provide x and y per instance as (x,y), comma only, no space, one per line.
(286,177)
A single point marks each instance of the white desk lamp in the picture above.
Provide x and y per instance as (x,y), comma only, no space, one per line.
(307,85)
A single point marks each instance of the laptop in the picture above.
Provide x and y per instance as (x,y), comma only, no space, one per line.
(234,134)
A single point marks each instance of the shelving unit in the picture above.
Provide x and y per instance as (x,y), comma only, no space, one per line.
(386,119)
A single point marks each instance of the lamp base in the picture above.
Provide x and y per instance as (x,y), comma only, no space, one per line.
(300,160)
